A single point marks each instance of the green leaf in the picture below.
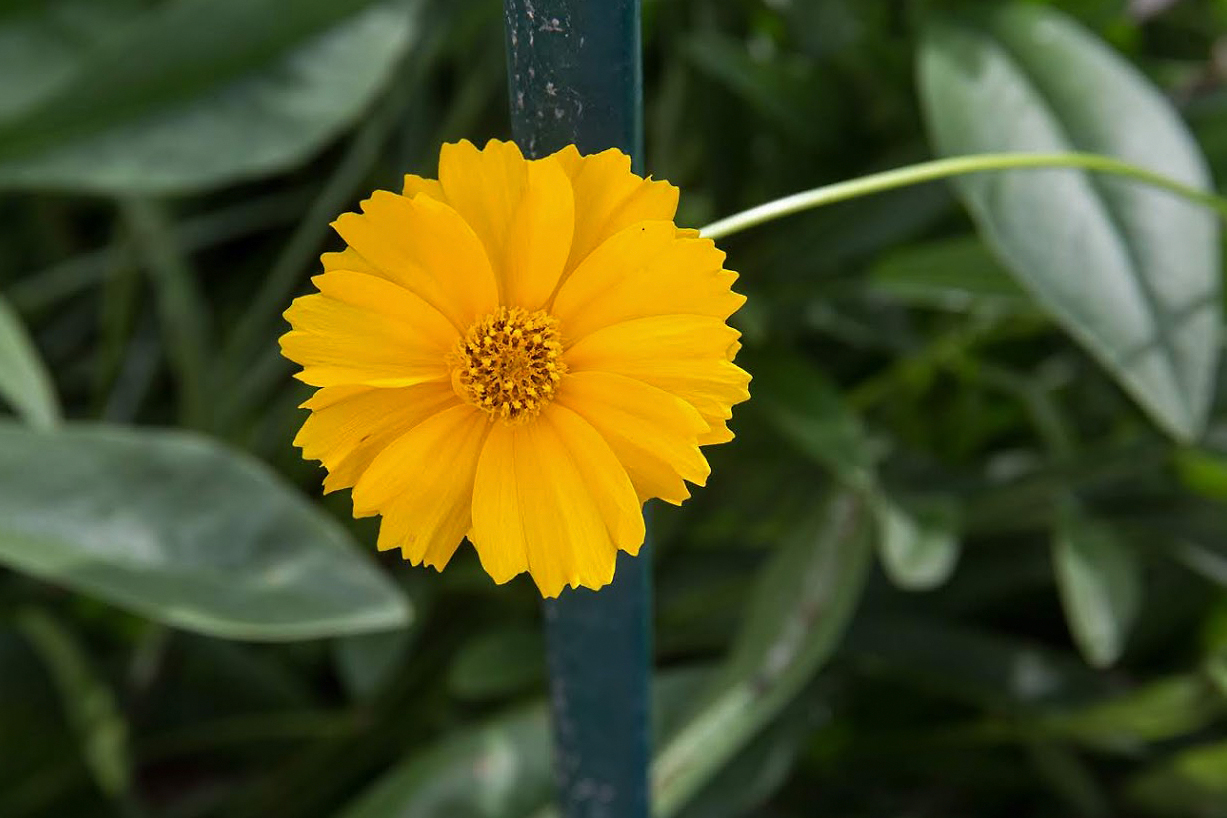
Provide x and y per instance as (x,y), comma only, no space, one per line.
(498,663)
(366,661)
(1100,582)
(30,718)
(192,94)
(918,543)
(1203,472)
(1190,782)
(24,381)
(808,410)
(779,88)
(758,770)
(501,768)
(982,668)
(1159,711)
(1070,777)
(1131,272)
(803,601)
(953,274)
(184,531)
(88,702)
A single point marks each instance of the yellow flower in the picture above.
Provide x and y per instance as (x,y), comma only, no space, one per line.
(523,353)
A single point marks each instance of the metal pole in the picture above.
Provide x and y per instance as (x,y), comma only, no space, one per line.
(575,74)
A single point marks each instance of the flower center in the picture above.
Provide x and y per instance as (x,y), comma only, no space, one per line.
(509,363)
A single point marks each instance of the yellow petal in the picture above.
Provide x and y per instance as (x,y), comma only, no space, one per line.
(427,248)
(365,330)
(540,237)
(416,184)
(643,270)
(498,529)
(602,475)
(381,296)
(484,186)
(551,498)
(685,355)
(422,484)
(349,259)
(718,433)
(653,434)
(350,425)
(611,197)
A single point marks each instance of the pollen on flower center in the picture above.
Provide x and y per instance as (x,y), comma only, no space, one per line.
(509,363)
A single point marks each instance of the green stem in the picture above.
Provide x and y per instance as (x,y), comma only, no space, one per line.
(181,305)
(944,169)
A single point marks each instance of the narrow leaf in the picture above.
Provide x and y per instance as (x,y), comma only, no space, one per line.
(1160,711)
(954,274)
(1101,585)
(803,602)
(24,382)
(919,545)
(87,700)
(808,410)
(501,768)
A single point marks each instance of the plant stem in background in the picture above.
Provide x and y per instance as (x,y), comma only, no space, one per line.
(181,306)
(575,78)
(946,168)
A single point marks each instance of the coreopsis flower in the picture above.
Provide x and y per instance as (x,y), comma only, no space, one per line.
(521,353)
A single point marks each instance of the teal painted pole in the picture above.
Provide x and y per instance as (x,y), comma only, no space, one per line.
(575,77)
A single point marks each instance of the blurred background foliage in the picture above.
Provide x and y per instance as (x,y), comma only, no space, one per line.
(949,566)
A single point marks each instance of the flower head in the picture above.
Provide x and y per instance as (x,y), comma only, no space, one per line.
(523,353)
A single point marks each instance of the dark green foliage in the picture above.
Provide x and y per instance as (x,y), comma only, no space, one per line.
(963,559)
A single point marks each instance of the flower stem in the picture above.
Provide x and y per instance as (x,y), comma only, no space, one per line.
(944,169)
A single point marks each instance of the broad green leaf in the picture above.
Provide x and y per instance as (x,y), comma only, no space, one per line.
(45,44)
(191,94)
(803,601)
(24,382)
(919,542)
(1100,582)
(184,531)
(87,700)
(1131,272)
(954,274)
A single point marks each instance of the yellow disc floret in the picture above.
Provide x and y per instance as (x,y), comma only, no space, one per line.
(509,363)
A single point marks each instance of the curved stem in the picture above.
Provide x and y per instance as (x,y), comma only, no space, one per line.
(945,168)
